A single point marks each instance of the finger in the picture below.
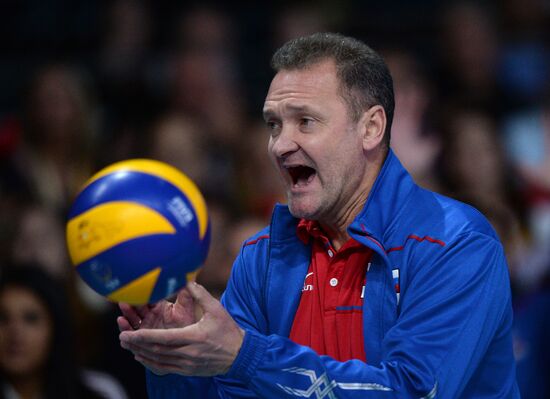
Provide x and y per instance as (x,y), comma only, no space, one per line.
(123,324)
(127,310)
(159,353)
(181,366)
(206,301)
(167,337)
(157,367)
(143,310)
(131,314)
(186,307)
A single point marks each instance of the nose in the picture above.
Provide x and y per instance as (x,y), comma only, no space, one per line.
(284,143)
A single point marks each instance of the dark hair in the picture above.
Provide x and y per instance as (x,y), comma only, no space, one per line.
(364,76)
(62,376)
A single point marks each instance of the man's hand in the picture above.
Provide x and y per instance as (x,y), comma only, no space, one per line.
(166,342)
(161,315)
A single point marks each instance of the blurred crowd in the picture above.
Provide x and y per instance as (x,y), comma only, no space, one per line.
(87,83)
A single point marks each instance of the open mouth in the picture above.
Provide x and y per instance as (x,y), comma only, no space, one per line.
(301,175)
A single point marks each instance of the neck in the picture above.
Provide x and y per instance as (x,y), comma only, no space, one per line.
(337,228)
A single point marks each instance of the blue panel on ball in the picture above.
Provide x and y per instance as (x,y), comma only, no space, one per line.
(142,188)
(125,262)
(173,275)
(168,283)
(123,186)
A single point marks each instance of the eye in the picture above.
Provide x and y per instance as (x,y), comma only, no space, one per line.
(32,317)
(307,122)
(273,126)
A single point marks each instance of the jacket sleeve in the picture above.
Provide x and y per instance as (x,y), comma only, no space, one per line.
(456,306)
(175,386)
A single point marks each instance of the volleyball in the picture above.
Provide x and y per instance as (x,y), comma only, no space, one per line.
(138,231)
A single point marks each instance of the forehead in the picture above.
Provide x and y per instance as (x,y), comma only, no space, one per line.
(20,298)
(315,81)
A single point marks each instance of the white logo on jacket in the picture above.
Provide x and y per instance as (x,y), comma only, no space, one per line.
(321,387)
(307,287)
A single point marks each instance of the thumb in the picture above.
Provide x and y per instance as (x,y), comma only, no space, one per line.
(202,297)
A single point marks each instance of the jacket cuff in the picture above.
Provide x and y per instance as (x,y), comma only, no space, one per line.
(246,363)
(157,384)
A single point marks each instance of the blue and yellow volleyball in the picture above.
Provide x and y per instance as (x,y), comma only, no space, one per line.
(138,231)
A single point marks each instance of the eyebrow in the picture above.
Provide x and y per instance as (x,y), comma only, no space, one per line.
(267,113)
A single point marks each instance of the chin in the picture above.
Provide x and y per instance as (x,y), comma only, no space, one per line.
(302,211)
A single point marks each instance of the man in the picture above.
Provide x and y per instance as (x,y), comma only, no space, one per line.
(364,286)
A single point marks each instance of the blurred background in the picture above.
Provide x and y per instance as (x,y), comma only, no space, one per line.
(86,83)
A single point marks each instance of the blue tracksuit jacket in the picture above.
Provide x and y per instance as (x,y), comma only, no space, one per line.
(446,335)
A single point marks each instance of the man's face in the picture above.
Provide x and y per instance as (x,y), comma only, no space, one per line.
(314,143)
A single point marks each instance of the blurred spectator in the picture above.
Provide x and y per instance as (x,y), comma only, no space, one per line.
(525,61)
(206,28)
(527,141)
(205,88)
(125,44)
(469,54)
(179,142)
(413,138)
(204,77)
(125,64)
(36,354)
(241,230)
(40,238)
(300,19)
(228,234)
(473,159)
(260,185)
(56,153)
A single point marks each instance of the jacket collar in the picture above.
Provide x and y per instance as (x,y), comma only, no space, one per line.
(389,193)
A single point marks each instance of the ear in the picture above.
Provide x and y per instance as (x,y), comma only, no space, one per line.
(373,124)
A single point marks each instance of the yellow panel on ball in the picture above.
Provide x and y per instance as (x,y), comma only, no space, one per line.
(138,291)
(109,224)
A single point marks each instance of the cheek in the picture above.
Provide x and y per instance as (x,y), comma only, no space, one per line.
(274,168)
(42,341)
(345,163)
(270,153)
(39,342)
(272,160)
(25,353)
